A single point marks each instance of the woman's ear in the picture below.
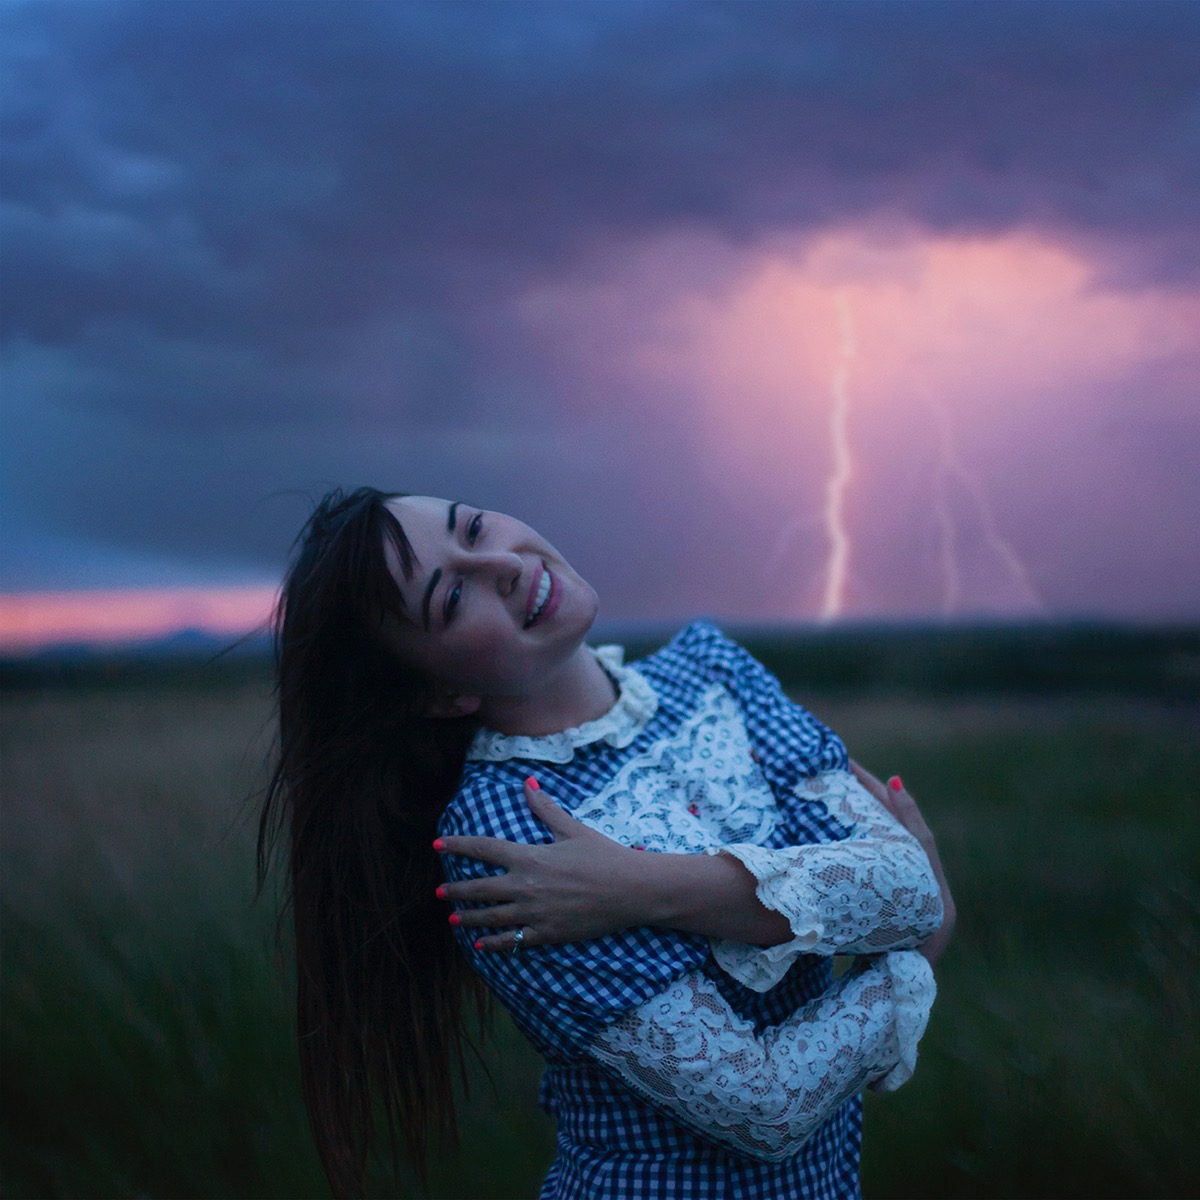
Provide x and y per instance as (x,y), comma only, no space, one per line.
(452,704)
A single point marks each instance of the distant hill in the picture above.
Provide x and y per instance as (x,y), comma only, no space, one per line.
(1016,658)
(186,643)
(191,653)
(921,659)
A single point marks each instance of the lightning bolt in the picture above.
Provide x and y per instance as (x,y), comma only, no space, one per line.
(838,562)
(953,468)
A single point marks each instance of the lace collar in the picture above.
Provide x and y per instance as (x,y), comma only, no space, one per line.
(636,704)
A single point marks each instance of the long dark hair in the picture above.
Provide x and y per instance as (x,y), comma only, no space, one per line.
(360,780)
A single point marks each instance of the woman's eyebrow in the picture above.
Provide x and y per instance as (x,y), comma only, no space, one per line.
(453,516)
(433,582)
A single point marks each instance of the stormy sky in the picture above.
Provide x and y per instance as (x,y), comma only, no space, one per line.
(757,310)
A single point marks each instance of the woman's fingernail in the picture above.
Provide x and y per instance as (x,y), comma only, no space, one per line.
(441,891)
(533,785)
(438,844)
(894,783)
(455,919)
(478,945)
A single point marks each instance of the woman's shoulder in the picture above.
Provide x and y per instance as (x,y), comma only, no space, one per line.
(490,802)
(698,642)
(700,648)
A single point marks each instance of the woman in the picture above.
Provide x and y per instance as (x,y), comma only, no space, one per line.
(431,663)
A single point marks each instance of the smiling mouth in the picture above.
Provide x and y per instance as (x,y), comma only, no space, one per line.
(540,598)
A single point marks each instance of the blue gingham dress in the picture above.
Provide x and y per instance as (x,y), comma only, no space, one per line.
(610,1142)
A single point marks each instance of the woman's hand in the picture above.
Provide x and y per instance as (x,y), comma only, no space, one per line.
(904,808)
(582,885)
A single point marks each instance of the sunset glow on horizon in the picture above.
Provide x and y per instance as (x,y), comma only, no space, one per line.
(33,621)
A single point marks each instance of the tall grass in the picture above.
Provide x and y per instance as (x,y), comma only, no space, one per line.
(146,1040)
(1062,1055)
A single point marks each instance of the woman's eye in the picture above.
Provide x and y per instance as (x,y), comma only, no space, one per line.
(453,596)
(474,529)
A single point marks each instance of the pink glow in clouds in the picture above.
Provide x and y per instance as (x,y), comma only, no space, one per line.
(997,390)
(33,620)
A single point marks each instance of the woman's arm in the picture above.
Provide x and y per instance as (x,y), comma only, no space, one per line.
(880,889)
(585,885)
(687,1053)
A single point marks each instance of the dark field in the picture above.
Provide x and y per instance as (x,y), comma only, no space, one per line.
(146,1040)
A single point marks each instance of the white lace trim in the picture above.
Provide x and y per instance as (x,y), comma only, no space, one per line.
(636,703)
(698,789)
(913,991)
(871,892)
(688,1053)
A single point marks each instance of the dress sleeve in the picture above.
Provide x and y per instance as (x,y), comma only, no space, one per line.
(870,892)
(763,1095)
(559,996)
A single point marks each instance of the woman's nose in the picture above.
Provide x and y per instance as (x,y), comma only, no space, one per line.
(502,566)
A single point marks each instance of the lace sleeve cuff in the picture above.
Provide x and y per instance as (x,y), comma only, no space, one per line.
(867,894)
(781,890)
(913,992)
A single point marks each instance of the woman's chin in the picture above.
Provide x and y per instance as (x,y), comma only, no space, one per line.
(591,608)
(575,609)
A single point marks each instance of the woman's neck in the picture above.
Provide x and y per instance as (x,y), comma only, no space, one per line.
(580,692)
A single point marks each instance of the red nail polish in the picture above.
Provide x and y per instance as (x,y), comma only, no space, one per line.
(455,919)
(637,847)
(533,785)
(441,891)
(438,844)
(894,783)
(478,945)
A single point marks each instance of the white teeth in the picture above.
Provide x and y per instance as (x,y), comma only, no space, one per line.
(543,594)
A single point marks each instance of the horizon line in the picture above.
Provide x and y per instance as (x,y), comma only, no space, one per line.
(31,621)
(114,618)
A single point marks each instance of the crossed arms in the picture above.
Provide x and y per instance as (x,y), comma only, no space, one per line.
(879,893)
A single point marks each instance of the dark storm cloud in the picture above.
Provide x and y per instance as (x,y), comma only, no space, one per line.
(298,224)
(264,170)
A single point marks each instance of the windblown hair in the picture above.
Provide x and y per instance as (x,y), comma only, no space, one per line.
(359,783)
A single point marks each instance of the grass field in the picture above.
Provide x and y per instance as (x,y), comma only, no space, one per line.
(146,1042)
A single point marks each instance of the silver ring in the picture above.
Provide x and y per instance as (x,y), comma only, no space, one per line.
(518,939)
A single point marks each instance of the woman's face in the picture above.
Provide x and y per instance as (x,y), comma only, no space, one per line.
(491,608)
